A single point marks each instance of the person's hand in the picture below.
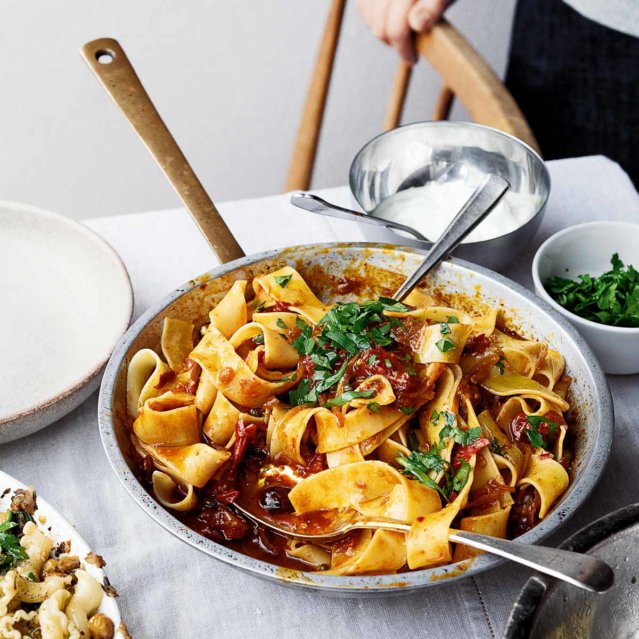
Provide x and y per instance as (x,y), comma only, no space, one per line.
(393,21)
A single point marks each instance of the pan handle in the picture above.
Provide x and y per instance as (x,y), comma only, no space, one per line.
(107,60)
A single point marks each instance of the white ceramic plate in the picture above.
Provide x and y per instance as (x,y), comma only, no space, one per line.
(53,524)
(66,299)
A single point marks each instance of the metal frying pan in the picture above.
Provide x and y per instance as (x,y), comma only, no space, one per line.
(379,269)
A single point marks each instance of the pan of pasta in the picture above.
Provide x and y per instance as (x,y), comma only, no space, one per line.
(293,384)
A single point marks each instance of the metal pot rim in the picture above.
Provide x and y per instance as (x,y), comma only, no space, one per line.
(354,585)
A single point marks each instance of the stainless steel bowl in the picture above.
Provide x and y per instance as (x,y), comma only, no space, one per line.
(548,608)
(386,161)
(383,268)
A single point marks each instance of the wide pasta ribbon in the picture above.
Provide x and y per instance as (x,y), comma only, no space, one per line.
(144,379)
(230,373)
(358,425)
(549,478)
(170,419)
(231,313)
(278,353)
(373,488)
(427,542)
(523,355)
(512,458)
(292,429)
(176,342)
(379,551)
(288,286)
(195,464)
(507,383)
(220,424)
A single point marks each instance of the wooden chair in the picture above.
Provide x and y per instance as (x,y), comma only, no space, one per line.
(465,75)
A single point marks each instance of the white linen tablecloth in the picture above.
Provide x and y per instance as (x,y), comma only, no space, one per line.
(168,589)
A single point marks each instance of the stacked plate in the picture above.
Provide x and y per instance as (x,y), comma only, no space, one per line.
(66,300)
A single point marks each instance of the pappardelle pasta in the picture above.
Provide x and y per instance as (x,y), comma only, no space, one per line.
(45,591)
(303,411)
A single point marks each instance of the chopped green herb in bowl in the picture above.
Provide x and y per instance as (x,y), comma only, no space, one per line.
(589,273)
(611,298)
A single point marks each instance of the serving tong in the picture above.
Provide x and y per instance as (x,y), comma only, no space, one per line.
(112,68)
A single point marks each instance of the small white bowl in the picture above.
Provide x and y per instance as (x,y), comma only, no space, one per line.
(587,248)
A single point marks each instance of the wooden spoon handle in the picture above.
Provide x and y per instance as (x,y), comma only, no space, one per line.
(114,71)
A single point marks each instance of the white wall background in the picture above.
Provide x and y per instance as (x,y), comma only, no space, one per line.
(229,78)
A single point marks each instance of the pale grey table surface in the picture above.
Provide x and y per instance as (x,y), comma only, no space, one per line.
(170,590)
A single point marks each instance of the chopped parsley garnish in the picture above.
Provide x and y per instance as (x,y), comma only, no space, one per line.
(303,394)
(444,329)
(282,280)
(31,577)
(611,298)
(534,436)
(453,319)
(280,323)
(374,406)
(259,338)
(419,464)
(10,549)
(342,333)
(325,382)
(449,418)
(346,397)
(288,378)
(407,410)
(454,483)
(462,437)
(304,344)
(500,365)
(356,327)
(445,345)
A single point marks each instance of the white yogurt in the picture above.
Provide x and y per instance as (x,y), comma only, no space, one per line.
(430,208)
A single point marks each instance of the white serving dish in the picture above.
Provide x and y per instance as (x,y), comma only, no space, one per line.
(66,300)
(587,248)
(54,525)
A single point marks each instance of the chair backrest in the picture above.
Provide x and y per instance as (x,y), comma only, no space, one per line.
(464,73)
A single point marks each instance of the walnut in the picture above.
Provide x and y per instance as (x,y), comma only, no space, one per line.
(24,499)
(96,560)
(101,627)
(68,563)
(51,567)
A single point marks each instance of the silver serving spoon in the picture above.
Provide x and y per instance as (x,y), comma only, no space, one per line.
(483,200)
(430,173)
(315,204)
(478,206)
(583,571)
